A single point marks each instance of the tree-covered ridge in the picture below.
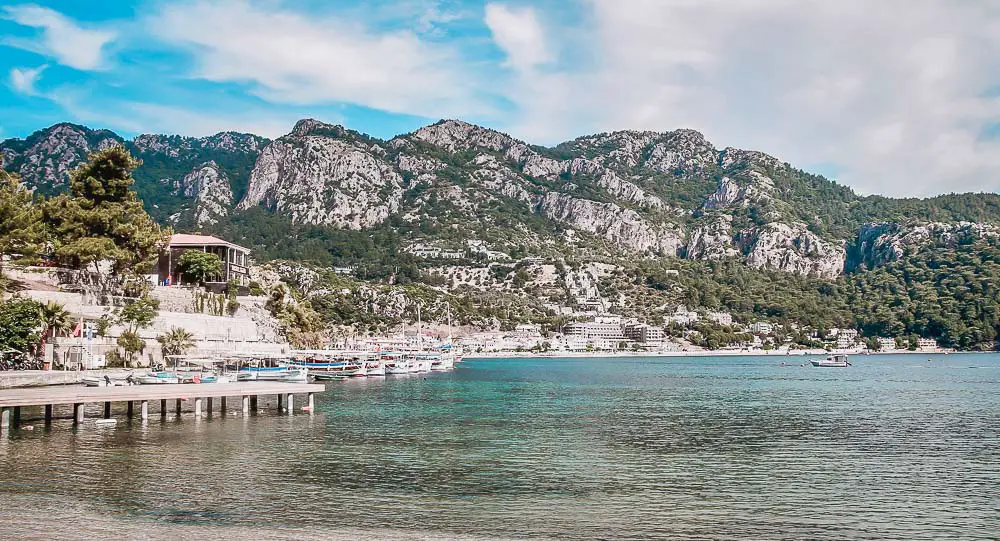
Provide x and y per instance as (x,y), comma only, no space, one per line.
(950,293)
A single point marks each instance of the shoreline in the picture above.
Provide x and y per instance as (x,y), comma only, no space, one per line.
(701,353)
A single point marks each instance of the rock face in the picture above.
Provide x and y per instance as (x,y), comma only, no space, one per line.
(792,248)
(881,243)
(713,240)
(618,225)
(320,179)
(209,187)
(45,159)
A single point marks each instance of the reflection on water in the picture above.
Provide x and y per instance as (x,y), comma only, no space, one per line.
(894,447)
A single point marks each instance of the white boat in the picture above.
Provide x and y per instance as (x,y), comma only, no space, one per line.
(832,361)
(419,365)
(375,369)
(158,378)
(102,381)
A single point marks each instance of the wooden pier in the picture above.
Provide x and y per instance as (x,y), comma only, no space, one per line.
(202,394)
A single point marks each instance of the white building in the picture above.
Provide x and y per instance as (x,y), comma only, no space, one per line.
(682,316)
(847,338)
(927,343)
(761,327)
(643,333)
(886,344)
(722,318)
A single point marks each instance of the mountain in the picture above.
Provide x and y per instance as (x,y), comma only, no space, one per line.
(453,184)
(635,222)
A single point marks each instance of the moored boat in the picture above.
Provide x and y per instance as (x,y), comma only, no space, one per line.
(832,361)
(158,378)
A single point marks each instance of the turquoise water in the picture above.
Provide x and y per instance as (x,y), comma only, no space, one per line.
(895,447)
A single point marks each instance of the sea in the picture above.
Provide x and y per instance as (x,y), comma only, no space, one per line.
(894,447)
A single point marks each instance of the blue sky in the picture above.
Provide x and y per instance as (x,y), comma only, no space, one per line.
(893,97)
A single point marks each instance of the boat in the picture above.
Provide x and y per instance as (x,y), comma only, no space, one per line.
(396,364)
(158,378)
(268,368)
(327,376)
(832,361)
(102,381)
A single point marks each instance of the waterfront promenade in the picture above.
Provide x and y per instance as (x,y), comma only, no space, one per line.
(203,395)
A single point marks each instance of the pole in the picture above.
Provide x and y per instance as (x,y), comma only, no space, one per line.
(107,410)
(143,410)
(312,403)
(48,414)
(246,404)
(289,402)
(79,410)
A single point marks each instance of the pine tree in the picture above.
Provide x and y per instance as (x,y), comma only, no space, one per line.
(100,226)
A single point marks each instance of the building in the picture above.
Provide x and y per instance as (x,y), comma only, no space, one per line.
(602,335)
(847,338)
(642,333)
(761,327)
(886,344)
(235,259)
(682,316)
(722,318)
(927,343)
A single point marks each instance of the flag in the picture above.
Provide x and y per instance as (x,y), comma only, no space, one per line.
(78,329)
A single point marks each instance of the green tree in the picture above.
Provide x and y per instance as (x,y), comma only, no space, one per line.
(176,342)
(100,225)
(197,266)
(56,319)
(135,315)
(130,344)
(21,233)
(20,324)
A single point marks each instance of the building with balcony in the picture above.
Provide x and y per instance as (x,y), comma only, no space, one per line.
(235,259)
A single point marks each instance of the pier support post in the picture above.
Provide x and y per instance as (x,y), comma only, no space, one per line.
(197,407)
(163,407)
(129,409)
(312,403)
(246,404)
(17,416)
(281,404)
(253,403)
(177,407)
(4,419)
(48,414)
(222,405)
(143,410)
(290,403)
(78,411)
(107,410)
(208,405)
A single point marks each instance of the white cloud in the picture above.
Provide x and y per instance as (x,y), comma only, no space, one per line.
(288,57)
(520,35)
(24,80)
(61,37)
(891,92)
(140,117)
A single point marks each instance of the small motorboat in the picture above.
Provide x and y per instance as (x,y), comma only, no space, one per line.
(103,381)
(327,376)
(832,361)
(158,378)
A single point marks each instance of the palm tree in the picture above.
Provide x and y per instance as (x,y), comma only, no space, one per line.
(176,342)
(56,318)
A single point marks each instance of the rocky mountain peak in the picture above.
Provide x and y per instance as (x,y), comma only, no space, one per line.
(454,135)
(311,126)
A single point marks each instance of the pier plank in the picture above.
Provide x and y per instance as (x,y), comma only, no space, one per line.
(77,394)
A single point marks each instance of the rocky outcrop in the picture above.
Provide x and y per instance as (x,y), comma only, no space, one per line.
(323,180)
(624,227)
(209,187)
(792,248)
(46,158)
(881,243)
(454,135)
(713,240)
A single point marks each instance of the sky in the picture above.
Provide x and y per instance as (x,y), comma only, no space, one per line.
(897,97)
